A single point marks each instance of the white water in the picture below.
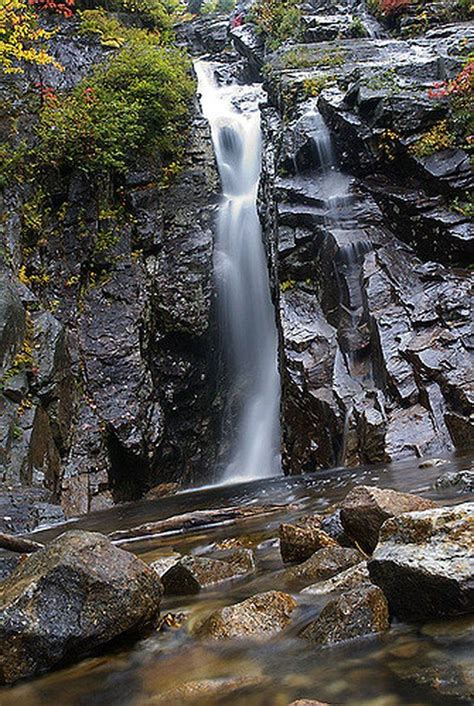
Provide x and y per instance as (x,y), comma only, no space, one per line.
(246,314)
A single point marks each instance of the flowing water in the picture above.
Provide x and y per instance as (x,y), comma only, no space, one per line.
(246,314)
(419,665)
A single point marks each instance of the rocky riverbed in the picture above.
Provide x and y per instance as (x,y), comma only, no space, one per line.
(254,617)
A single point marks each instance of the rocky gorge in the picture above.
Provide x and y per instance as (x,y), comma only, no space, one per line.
(368,238)
(348,578)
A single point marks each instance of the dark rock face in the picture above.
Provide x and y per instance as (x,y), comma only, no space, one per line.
(119,393)
(361,235)
(360,612)
(259,618)
(189,575)
(365,509)
(77,594)
(424,563)
(208,35)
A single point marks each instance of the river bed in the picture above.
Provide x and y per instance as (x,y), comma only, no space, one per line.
(415,665)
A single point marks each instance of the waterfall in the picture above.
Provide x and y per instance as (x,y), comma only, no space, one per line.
(246,313)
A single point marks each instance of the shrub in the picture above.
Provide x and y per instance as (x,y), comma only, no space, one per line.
(312,87)
(21,37)
(459,92)
(357,28)
(212,6)
(279,20)
(59,7)
(434,140)
(139,100)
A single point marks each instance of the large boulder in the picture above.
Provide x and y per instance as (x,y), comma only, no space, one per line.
(353,577)
(424,563)
(260,618)
(362,611)
(324,564)
(365,509)
(189,575)
(300,540)
(69,598)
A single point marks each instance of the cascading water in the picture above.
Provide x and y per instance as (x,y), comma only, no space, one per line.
(334,187)
(246,314)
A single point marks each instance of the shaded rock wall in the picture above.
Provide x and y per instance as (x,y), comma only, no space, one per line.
(374,323)
(108,377)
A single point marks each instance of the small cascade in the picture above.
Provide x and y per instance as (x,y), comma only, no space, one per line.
(246,314)
(334,186)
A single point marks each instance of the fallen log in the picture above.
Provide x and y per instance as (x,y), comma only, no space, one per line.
(194,520)
(19,544)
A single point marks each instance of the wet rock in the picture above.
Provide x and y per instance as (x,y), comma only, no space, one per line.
(324,564)
(362,611)
(8,563)
(300,540)
(191,574)
(353,577)
(77,594)
(205,691)
(250,45)
(365,509)
(205,35)
(260,617)
(23,510)
(12,323)
(164,563)
(462,481)
(332,525)
(423,563)
(162,491)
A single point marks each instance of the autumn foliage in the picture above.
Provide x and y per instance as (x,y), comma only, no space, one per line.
(389,7)
(461,85)
(21,37)
(66,8)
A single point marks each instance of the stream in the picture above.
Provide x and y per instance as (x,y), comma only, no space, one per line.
(409,665)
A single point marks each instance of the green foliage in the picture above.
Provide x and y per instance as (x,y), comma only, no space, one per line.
(139,100)
(312,87)
(278,20)
(304,58)
(212,6)
(464,206)
(286,285)
(111,31)
(154,14)
(357,28)
(434,140)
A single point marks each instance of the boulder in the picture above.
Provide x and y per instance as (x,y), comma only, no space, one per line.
(300,540)
(354,577)
(75,595)
(324,564)
(189,575)
(260,617)
(163,563)
(365,509)
(462,481)
(362,611)
(424,563)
